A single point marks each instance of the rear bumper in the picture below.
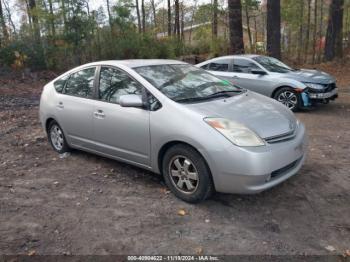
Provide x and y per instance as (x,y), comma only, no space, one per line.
(261,168)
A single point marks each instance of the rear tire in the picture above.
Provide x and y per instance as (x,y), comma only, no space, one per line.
(56,138)
(187,174)
(289,98)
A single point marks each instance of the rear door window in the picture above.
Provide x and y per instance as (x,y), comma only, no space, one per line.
(244,66)
(219,65)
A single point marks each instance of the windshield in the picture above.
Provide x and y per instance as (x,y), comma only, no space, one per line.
(272,64)
(183,82)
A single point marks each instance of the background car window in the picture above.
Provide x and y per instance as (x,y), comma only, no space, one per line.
(81,83)
(243,66)
(115,83)
(219,65)
(205,67)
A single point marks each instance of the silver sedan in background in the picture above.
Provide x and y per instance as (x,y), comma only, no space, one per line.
(295,88)
(200,132)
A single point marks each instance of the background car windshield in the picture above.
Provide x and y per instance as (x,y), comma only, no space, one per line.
(181,81)
(272,64)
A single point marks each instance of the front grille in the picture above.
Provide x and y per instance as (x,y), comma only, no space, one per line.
(281,138)
(284,169)
(330,87)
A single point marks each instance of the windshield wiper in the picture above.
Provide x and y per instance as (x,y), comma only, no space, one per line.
(214,95)
(191,99)
(224,93)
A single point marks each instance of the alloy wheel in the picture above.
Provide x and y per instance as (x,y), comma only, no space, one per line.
(288,98)
(56,136)
(183,174)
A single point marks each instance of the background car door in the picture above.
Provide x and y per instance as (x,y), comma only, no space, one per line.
(243,77)
(121,132)
(75,106)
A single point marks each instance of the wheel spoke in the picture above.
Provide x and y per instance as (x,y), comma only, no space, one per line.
(192,175)
(175,173)
(180,183)
(189,185)
(178,164)
(186,165)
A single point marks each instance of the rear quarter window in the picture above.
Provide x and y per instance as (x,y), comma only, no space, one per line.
(60,83)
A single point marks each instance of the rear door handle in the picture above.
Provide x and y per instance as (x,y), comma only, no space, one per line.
(99,114)
(60,105)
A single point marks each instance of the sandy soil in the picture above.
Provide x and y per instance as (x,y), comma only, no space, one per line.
(86,204)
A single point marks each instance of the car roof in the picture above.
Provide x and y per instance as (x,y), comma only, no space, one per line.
(132,63)
(235,56)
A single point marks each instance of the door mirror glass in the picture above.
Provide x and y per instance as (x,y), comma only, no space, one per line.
(131,101)
(258,72)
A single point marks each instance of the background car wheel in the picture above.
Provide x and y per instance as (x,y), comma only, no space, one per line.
(288,97)
(186,174)
(56,138)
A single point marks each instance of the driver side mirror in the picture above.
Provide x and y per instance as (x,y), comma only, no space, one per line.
(131,101)
(258,72)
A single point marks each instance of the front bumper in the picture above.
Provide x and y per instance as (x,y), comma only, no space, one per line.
(326,95)
(256,169)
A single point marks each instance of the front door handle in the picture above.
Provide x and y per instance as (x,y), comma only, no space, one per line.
(99,114)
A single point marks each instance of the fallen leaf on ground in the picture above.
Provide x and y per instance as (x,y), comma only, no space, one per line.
(199,250)
(31,253)
(330,248)
(181,212)
(164,191)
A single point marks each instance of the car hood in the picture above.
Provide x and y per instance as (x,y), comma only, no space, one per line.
(310,76)
(265,116)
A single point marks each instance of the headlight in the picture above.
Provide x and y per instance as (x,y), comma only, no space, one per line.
(238,134)
(315,86)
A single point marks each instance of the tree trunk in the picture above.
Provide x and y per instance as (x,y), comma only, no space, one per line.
(307,36)
(154,13)
(9,16)
(138,16)
(215,19)
(315,35)
(192,20)
(35,21)
(320,35)
(3,24)
(255,34)
(274,28)
(235,27)
(169,18)
(109,16)
(248,27)
(143,16)
(301,24)
(182,20)
(177,19)
(334,36)
(52,20)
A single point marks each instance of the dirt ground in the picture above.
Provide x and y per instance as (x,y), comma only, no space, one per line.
(86,204)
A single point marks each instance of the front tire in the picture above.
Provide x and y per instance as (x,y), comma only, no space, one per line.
(187,174)
(289,97)
(57,138)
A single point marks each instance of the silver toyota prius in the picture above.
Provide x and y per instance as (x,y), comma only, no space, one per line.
(295,88)
(200,132)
